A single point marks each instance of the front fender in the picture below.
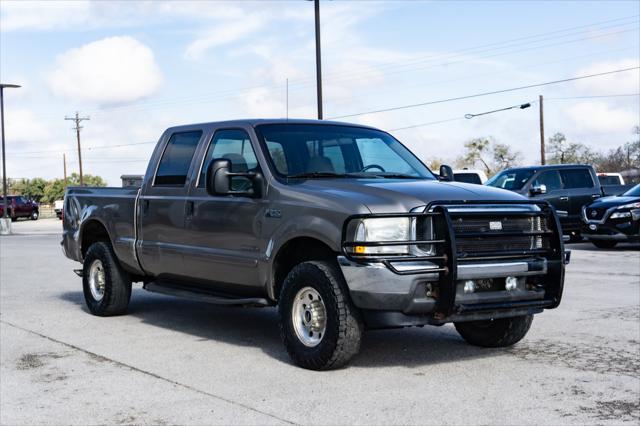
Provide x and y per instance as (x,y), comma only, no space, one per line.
(328,232)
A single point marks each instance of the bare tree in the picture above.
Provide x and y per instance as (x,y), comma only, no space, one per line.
(490,155)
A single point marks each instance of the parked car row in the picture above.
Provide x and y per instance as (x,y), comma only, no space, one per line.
(578,195)
(19,206)
(567,187)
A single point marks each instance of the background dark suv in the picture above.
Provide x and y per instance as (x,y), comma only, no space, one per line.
(568,187)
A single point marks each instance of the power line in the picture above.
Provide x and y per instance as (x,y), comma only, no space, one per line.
(447,59)
(520,106)
(430,123)
(90,148)
(303,83)
(439,83)
(494,92)
(447,120)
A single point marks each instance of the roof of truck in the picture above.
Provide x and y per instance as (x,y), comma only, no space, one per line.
(548,166)
(258,121)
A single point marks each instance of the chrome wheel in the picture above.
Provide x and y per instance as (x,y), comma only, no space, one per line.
(97,280)
(309,316)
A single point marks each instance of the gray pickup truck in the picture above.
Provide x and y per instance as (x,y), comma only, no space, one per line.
(339,225)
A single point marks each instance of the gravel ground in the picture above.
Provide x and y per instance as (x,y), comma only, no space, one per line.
(175,361)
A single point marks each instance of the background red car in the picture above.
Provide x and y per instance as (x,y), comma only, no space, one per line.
(19,206)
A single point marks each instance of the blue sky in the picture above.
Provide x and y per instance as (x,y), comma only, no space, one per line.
(138,67)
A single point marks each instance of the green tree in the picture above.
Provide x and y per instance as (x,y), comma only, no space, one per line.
(89,180)
(29,188)
(54,190)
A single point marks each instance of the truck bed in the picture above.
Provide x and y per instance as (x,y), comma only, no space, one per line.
(113,208)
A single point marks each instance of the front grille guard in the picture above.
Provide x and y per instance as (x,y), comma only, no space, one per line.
(446,256)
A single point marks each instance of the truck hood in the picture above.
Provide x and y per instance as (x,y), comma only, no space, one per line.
(399,195)
(608,202)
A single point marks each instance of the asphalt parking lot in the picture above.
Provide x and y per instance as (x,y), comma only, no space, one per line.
(172,361)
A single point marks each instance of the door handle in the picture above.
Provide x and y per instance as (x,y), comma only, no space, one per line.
(564,198)
(190,208)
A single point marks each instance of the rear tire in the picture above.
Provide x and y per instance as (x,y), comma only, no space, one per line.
(330,333)
(106,286)
(496,333)
(604,244)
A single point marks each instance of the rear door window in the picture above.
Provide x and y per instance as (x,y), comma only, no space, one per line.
(176,159)
(576,178)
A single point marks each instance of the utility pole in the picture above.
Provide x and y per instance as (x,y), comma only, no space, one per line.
(64,165)
(318,59)
(5,224)
(77,119)
(542,156)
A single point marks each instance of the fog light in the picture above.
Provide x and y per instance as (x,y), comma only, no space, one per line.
(469,286)
(510,283)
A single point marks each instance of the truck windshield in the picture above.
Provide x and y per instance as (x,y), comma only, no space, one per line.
(511,179)
(633,192)
(319,150)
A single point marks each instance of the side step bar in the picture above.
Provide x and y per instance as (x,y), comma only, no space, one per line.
(203,296)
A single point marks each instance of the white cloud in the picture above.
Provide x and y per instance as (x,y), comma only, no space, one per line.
(23,126)
(108,71)
(222,34)
(42,15)
(619,83)
(602,117)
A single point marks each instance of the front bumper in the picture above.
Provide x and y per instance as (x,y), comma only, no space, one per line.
(607,229)
(374,286)
(417,290)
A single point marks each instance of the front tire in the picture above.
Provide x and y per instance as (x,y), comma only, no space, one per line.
(35,215)
(496,333)
(106,286)
(604,244)
(319,326)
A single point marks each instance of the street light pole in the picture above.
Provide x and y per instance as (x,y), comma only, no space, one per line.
(4,160)
(318,59)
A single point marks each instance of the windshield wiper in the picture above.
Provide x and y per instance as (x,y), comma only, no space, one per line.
(312,175)
(396,176)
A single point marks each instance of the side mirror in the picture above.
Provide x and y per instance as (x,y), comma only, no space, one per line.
(446,173)
(538,189)
(219,180)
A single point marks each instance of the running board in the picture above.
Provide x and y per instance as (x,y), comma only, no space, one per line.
(203,296)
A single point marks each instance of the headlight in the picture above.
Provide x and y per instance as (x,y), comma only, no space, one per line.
(620,215)
(629,206)
(390,229)
(383,229)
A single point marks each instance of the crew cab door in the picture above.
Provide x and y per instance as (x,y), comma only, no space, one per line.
(224,231)
(161,208)
(556,195)
(21,206)
(581,188)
